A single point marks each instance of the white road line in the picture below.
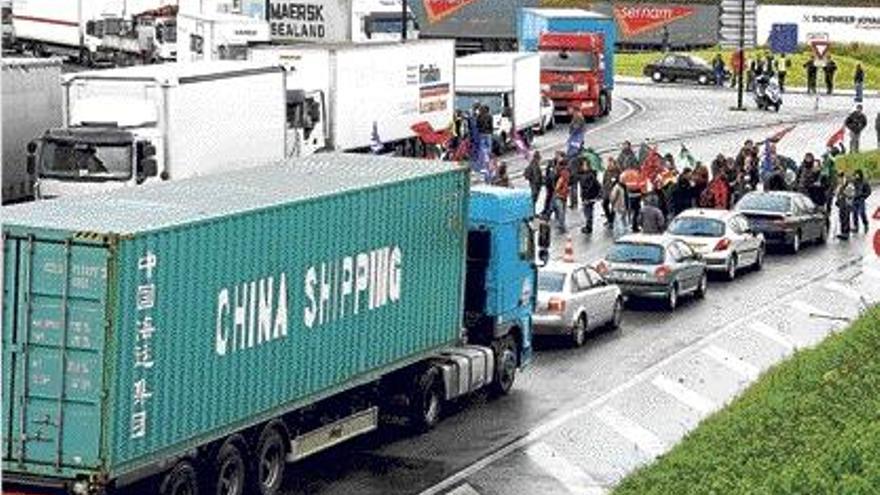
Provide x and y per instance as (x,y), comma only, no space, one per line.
(684,395)
(645,440)
(772,334)
(809,309)
(733,363)
(575,480)
(843,289)
(465,489)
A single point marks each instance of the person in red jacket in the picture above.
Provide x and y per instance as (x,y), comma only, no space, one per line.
(736,63)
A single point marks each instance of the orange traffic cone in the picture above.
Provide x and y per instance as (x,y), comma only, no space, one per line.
(568,255)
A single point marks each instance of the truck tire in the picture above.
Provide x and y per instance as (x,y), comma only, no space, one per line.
(270,460)
(181,480)
(426,402)
(505,367)
(228,473)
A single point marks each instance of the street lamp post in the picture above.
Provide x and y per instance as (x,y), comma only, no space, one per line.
(741,55)
(403,19)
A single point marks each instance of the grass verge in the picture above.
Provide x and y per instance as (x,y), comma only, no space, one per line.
(868,162)
(811,425)
(846,57)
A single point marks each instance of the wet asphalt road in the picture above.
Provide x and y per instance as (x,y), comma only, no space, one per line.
(580,419)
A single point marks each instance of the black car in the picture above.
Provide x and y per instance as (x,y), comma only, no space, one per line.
(685,67)
(785,218)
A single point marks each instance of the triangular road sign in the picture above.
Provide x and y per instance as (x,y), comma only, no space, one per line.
(820,48)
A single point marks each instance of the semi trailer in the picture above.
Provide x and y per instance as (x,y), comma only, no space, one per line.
(209,331)
(151,123)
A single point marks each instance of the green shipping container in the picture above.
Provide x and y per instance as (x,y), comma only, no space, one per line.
(151,320)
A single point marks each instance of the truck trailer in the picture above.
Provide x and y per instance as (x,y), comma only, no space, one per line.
(152,123)
(365,97)
(204,37)
(205,331)
(577,57)
(506,82)
(31,104)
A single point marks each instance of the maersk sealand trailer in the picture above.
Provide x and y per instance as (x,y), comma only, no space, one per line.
(207,331)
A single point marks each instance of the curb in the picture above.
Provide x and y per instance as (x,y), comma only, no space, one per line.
(799,90)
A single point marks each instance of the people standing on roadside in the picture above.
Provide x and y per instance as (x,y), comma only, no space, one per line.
(781,70)
(682,193)
(859,83)
(627,160)
(560,194)
(501,177)
(609,178)
(844,197)
(664,39)
(736,64)
(533,175)
(718,69)
(617,199)
(830,70)
(855,123)
(550,184)
(634,205)
(651,219)
(807,174)
(812,73)
(591,191)
(861,190)
(574,170)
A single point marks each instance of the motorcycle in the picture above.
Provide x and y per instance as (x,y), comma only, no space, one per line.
(767,93)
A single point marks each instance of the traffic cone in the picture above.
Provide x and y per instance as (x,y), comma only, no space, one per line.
(568,255)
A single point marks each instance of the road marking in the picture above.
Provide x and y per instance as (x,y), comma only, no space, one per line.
(809,309)
(465,489)
(843,289)
(732,362)
(575,411)
(684,395)
(772,334)
(645,440)
(575,480)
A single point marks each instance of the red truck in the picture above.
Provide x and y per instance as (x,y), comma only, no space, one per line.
(577,57)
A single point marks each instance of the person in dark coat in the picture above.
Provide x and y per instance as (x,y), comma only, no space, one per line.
(683,193)
(862,192)
(550,184)
(855,123)
(534,176)
(627,159)
(651,219)
(609,178)
(830,70)
(812,73)
(591,191)
(859,82)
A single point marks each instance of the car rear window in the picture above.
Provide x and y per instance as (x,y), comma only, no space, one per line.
(698,227)
(636,253)
(775,203)
(550,281)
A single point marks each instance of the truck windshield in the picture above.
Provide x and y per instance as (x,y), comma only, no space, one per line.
(465,101)
(565,60)
(167,32)
(66,160)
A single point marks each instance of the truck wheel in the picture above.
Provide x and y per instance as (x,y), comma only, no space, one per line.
(228,475)
(181,480)
(270,460)
(426,402)
(505,367)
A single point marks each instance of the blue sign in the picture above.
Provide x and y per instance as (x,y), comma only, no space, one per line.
(783,38)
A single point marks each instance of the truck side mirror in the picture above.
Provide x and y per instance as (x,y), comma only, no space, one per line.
(147,168)
(544,243)
(31,158)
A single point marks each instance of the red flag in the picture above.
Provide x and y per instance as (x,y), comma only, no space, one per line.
(837,137)
(781,134)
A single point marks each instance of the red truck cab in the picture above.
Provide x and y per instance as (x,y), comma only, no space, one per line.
(573,73)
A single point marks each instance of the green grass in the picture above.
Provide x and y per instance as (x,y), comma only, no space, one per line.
(846,57)
(811,425)
(868,162)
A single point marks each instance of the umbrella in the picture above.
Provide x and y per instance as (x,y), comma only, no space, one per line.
(593,159)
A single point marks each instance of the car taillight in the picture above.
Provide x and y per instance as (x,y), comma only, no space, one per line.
(779,222)
(556,305)
(723,244)
(662,272)
(602,268)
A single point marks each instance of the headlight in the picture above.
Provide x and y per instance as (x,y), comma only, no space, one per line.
(545,87)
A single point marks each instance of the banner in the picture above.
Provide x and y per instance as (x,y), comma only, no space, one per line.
(841,24)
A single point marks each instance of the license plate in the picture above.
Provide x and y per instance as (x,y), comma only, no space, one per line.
(632,276)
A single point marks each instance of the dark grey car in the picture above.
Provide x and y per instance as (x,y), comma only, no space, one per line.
(655,266)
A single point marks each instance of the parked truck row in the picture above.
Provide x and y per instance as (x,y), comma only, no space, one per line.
(206,332)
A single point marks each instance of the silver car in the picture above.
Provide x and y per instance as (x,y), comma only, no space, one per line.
(723,238)
(655,266)
(574,299)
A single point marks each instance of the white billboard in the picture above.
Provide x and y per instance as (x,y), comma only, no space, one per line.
(842,24)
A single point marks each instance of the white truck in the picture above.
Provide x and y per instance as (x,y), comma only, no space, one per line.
(509,83)
(364,97)
(135,125)
(146,37)
(217,36)
(31,104)
(76,28)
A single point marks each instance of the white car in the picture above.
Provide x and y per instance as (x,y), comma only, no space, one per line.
(723,238)
(548,119)
(574,299)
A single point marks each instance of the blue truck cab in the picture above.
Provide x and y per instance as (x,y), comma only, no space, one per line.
(501,273)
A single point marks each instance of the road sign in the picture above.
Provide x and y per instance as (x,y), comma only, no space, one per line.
(783,38)
(820,48)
